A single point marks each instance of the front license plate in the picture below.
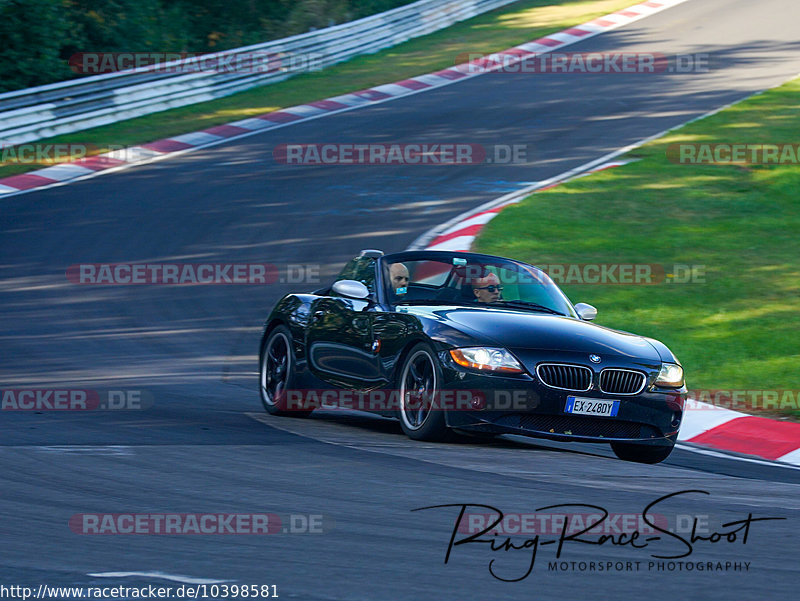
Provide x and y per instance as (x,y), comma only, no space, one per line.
(583,406)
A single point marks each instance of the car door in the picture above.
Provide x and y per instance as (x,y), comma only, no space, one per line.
(342,349)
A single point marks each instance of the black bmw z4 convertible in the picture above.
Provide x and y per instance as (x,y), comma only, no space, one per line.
(471,343)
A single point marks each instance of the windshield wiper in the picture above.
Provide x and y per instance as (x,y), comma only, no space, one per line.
(527,305)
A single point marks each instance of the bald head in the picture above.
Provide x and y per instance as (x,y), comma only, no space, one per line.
(398,274)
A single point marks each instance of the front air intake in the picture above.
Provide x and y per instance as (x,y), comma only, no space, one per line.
(565,377)
(622,381)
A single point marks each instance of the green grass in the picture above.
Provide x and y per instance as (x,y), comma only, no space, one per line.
(740,328)
(516,24)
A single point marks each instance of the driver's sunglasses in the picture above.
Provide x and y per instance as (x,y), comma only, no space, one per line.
(490,288)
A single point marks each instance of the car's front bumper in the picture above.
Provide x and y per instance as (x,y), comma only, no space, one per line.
(523,405)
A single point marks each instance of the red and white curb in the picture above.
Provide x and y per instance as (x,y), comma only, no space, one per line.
(703,424)
(710,426)
(161,149)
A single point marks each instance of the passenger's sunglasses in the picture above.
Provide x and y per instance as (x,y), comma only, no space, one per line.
(491,288)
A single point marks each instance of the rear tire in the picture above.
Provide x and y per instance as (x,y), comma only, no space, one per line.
(420,415)
(277,374)
(641,453)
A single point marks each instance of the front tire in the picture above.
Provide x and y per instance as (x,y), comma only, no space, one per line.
(277,374)
(421,416)
(641,453)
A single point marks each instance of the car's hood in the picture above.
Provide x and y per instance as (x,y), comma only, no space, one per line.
(540,331)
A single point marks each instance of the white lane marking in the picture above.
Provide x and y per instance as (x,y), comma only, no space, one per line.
(793,457)
(722,455)
(162,575)
(252,124)
(303,110)
(349,99)
(481,219)
(563,36)
(433,80)
(114,450)
(131,154)
(459,243)
(197,138)
(700,420)
(595,28)
(393,89)
(541,48)
(63,172)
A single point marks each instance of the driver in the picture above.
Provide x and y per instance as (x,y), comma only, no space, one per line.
(398,276)
(487,289)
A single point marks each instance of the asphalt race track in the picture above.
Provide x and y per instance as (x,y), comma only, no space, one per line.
(205,445)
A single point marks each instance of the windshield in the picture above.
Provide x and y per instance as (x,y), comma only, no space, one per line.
(459,280)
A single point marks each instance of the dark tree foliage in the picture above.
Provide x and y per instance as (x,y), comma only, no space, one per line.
(32,33)
(38,37)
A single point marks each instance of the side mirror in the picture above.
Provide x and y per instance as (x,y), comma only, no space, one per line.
(351,289)
(585,312)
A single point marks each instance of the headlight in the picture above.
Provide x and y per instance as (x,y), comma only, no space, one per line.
(671,375)
(496,360)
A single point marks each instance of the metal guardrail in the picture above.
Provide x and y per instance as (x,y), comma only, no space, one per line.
(74,105)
